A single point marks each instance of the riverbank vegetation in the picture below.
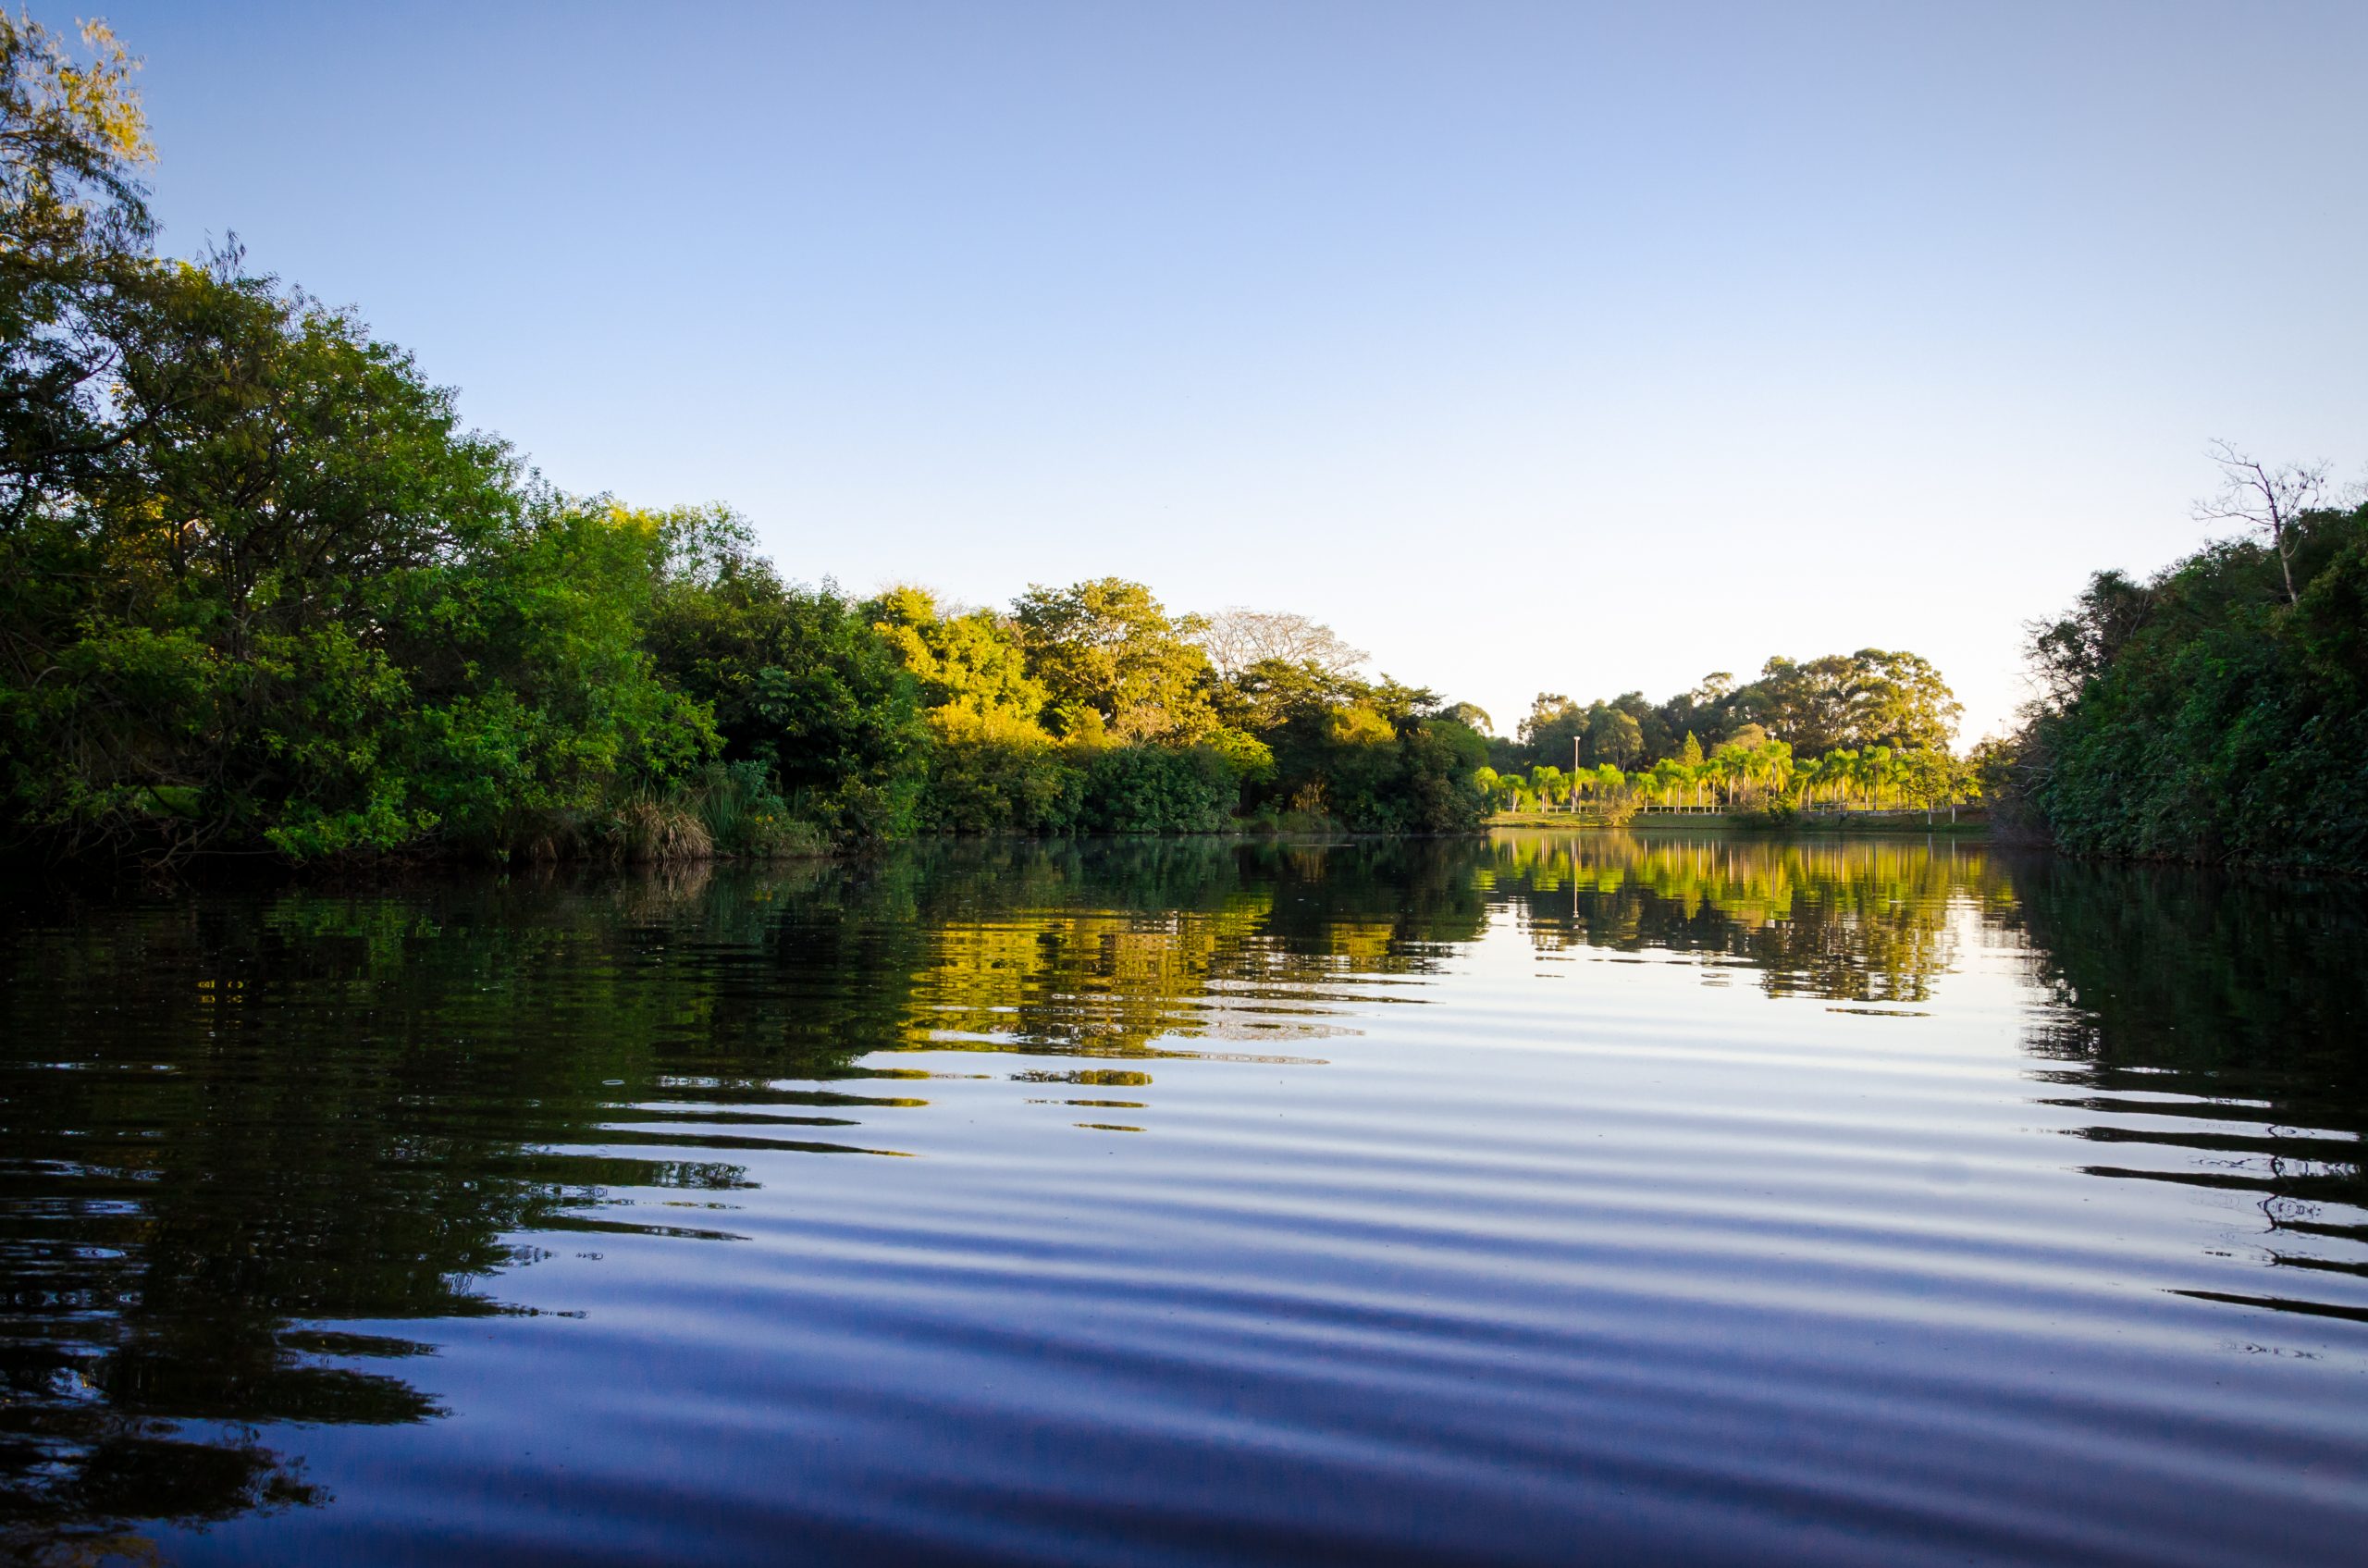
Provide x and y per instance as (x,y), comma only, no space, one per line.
(1752,774)
(262,594)
(1864,732)
(2219,710)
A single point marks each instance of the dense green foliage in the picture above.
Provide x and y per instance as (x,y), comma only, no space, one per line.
(802,689)
(260,593)
(2218,712)
(1091,709)
(1872,697)
(1750,772)
(1868,730)
(293,605)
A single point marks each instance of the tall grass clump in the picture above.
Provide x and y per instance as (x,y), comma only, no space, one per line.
(743,815)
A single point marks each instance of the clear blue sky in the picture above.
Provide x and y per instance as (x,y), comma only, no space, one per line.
(1532,346)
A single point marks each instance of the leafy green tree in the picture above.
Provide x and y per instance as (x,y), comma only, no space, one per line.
(1671,780)
(1869,697)
(74,259)
(1555,724)
(1827,780)
(1613,736)
(536,705)
(1380,757)
(800,680)
(1472,716)
(2209,713)
(1656,738)
(1931,778)
(985,777)
(1902,701)
(1440,759)
(299,607)
(1109,648)
(1877,774)
(1399,703)
(1146,789)
(1272,695)
(969,664)
(1991,770)
(1714,709)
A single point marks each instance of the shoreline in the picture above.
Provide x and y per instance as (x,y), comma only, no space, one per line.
(1852,825)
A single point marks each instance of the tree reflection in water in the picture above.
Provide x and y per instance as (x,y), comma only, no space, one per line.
(2224,1019)
(1847,919)
(229,1121)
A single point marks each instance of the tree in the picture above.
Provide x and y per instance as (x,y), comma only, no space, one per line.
(1989,770)
(1272,694)
(1109,650)
(1901,701)
(2217,711)
(1553,724)
(2065,655)
(75,233)
(1472,716)
(1669,780)
(2271,499)
(967,662)
(1437,787)
(1236,638)
(1877,773)
(1816,777)
(798,679)
(1931,778)
(1713,709)
(1728,767)
(1871,697)
(300,608)
(1613,736)
(1399,703)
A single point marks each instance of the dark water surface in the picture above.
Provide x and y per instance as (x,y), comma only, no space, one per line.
(1589,1199)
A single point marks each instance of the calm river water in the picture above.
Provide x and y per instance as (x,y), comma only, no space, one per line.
(1555,1199)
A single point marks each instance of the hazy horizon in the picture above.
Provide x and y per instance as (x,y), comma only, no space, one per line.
(1531,348)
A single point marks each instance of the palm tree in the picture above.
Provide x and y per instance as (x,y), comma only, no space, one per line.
(1668,776)
(1837,773)
(1876,772)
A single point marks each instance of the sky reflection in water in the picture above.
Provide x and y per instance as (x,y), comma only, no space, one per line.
(1548,1198)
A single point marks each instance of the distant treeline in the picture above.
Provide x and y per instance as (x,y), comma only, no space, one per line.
(1864,730)
(1843,701)
(1749,773)
(2218,712)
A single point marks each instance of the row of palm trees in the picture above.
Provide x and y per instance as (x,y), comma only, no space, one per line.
(1747,777)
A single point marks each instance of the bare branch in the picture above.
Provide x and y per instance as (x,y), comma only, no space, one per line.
(1236,638)
(2270,499)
